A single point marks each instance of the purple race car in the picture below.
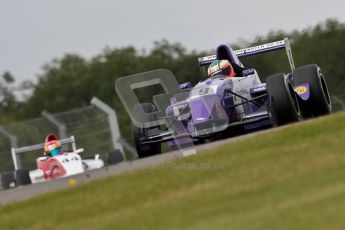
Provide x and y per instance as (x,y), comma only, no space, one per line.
(184,115)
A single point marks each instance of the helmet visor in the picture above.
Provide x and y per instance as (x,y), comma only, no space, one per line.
(55,152)
(225,72)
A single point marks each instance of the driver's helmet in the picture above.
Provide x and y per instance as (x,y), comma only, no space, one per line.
(220,67)
(52,146)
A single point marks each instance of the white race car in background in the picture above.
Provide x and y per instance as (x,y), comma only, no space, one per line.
(66,164)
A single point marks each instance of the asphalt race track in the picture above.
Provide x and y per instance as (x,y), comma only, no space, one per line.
(28,191)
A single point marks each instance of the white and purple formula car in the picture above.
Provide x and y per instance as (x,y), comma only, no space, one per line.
(216,106)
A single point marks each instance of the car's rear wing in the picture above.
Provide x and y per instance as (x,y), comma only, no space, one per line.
(246,52)
(16,151)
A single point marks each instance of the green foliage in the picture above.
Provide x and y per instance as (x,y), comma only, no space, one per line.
(71,81)
(8,101)
(7,76)
(62,86)
(323,45)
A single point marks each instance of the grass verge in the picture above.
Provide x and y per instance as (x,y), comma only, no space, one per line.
(292,178)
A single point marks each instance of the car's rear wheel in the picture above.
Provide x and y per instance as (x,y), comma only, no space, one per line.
(6,179)
(319,102)
(115,157)
(22,177)
(139,133)
(283,103)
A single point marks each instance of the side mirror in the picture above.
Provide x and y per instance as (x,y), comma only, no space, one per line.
(186,85)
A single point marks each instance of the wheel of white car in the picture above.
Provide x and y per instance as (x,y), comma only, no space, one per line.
(6,179)
(115,157)
(22,177)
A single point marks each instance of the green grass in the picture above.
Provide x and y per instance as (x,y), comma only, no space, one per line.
(292,178)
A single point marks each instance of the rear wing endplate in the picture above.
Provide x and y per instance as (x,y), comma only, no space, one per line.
(16,151)
(246,52)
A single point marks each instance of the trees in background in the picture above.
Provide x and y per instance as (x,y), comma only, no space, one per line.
(323,45)
(72,81)
(8,102)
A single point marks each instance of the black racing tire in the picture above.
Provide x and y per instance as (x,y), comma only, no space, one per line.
(319,102)
(115,157)
(232,131)
(283,103)
(6,179)
(138,133)
(22,177)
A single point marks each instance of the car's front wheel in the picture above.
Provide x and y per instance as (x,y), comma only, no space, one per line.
(115,157)
(283,103)
(319,102)
(139,133)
